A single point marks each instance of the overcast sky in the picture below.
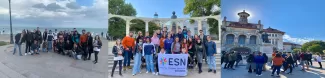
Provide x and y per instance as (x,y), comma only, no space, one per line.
(55,13)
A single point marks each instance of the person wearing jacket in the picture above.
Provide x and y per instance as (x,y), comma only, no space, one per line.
(250,62)
(277,63)
(199,53)
(128,44)
(289,60)
(211,53)
(192,52)
(266,59)
(118,58)
(168,44)
(239,58)
(84,44)
(29,41)
(176,46)
(226,60)
(148,51)
(60,46)
(137,58)
(97,44)
(259,61)
(319,60)
(75,37)
(90,45)
(232,59)
(39,37)
(19,39)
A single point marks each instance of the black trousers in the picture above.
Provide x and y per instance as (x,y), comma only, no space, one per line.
(28,46)
(157,68)
(90,50)
(231,64)
(310,62)
(96,55)
(85,54)
(320,64)
(119,67)
(288,66)
(226,64)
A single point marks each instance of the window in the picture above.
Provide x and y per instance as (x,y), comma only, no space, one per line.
(252,39)
(230,38)
(241,39)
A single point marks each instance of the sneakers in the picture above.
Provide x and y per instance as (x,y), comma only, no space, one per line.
(25,54)
(147,72)
(129,67)
(124,68)
(277,75)
(153,73)
(133,74)
(215,71)
(157,73)
(210,70)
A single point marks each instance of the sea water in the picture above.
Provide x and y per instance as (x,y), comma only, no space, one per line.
(93,31)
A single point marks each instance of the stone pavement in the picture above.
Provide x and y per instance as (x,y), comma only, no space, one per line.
(193,73)
(51,65)
(241,72)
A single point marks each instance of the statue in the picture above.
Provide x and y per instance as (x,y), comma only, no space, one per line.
(265,37)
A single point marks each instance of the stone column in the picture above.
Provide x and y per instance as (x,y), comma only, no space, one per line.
(147,26)
(127,31)
(199,27)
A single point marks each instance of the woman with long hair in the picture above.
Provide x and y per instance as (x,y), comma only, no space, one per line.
(199,49)
(289,60)
(266,59)
(319,60)
(117,51)
(97,44)
(176,46)
(137,58)
(277,63)
(168,43)
(148,51)
(191,51)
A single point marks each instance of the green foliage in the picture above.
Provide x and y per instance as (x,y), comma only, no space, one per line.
(2,43)
(117,26)
(314,46)
(139,25)
(296,50)
(196,8)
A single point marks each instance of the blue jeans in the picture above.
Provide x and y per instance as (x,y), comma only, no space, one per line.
(259,68)
(149,63)
(19,47)
(212,62)
(277,69)
(168,51)
(137,63)
(127,58)
(49,45)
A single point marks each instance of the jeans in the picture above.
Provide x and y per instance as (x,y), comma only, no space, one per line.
(137,63)
(277,69)
(127,59)
(168,51)
(212,62)
(49,45)
(259,68)
(120,67)
(149,63)
(19,47)
(96,55)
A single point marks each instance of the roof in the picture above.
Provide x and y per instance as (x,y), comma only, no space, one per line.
(271,30)
(240,25)
(288,43)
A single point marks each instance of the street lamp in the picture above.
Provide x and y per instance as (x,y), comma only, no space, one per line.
(11,35)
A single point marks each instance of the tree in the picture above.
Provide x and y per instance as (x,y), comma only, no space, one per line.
(197,8)
(316,48)
(117,26)
(296,50)
(139,25)
(306,45)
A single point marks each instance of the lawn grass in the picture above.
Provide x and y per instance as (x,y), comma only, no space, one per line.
(2,43)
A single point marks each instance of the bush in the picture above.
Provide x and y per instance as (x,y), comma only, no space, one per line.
(2,43)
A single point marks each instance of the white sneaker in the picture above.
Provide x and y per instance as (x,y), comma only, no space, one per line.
(133,74)
(29,53)
(153,73)
(140,72)
(25,54)
(147,72)
(157,73)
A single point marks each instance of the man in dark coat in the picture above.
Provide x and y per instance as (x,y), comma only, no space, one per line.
(19,39)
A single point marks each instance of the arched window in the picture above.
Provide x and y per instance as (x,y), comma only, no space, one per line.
(230,39)
(252,39)
(241,39)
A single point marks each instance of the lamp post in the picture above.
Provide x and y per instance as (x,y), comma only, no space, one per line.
(11,35)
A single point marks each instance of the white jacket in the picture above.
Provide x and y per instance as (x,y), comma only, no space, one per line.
(319,59)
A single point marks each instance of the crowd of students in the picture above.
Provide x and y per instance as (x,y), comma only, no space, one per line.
(257,62)
(144,50)
(65,42)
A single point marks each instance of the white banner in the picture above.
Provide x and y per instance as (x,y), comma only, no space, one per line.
(172,64)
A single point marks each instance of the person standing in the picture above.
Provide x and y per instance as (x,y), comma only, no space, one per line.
(155,41)
(192,52)
(226,60)
(148,51)
(277,63)
(45,40)
(75,37)
(84,44)
(310,57)
(231,60)
(180,34)
(137,58)
(19,39)
(29,42)
(289,60)
(199,49)
(176,46)
(97,46)
(55,35)
(118,57)
(204,40)
(168,44)
(211,52)
(250,62)
(266,59)
(239,58)
(139,37)
(50,39)
(319,60)
(304,61)
(90,45)
(128,43)
(259,60)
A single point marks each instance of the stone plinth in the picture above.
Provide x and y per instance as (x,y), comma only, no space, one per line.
(266,48)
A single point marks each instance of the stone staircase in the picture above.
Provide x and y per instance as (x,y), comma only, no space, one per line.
(111,62)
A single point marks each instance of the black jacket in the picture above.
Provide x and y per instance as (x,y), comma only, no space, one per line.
(250,58)
(29,37)
(90,42)
(18,37)
(44,36)
(290,60)
(115,49)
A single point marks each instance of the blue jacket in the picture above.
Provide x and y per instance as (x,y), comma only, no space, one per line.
(148,49)
(259,59)
(210,48)
(168,43)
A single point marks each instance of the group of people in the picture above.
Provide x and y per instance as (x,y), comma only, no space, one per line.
(144,50)
(63,42)
(257,62)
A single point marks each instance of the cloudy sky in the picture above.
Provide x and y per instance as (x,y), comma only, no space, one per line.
(55,13)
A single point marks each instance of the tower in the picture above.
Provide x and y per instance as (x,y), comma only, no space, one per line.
(243,17)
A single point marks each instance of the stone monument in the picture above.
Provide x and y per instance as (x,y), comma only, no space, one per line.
(173,23)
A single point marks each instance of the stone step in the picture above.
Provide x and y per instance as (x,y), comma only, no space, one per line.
(10,73)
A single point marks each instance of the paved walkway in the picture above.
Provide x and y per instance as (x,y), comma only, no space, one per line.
(241,72)
(193,73)
(51,65)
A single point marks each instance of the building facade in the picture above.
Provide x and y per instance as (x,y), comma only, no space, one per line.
(288,47)
(245,37)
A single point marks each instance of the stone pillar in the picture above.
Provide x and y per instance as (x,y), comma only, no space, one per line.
(127,31)
(147,26)
(199,27)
